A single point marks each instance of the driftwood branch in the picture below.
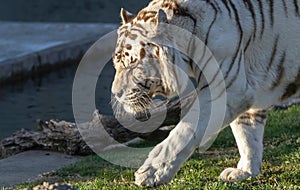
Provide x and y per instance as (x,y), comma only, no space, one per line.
(105,131)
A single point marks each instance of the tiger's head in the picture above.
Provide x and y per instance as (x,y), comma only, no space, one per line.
(144,69)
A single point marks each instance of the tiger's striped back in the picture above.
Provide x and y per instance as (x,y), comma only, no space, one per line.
(265,31)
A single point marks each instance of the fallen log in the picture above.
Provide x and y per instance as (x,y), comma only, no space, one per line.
(104,130)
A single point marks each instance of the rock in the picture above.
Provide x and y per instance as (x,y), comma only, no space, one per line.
(55,186)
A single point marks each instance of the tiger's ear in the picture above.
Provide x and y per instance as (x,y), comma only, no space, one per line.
(126,16)
(162,16)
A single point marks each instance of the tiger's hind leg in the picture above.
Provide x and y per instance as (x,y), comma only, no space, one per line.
(248,131)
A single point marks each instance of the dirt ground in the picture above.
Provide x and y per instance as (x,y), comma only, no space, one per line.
(67,10)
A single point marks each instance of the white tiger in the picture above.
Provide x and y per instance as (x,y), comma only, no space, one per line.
(260,35)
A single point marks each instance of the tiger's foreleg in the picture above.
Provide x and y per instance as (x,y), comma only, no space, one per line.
(248,131)
(167,157)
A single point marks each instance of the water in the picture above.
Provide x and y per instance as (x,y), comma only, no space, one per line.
(47,97)
(67,11)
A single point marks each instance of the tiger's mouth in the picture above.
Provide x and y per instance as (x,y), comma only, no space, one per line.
(138,107)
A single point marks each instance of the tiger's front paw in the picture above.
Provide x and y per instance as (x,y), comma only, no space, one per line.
(153,176)
(234,174)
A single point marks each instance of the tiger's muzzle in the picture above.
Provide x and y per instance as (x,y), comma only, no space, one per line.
(135,103)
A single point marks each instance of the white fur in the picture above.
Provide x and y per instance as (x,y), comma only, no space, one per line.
(250,93)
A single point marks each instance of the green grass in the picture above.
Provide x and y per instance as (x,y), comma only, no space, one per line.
(281,164)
